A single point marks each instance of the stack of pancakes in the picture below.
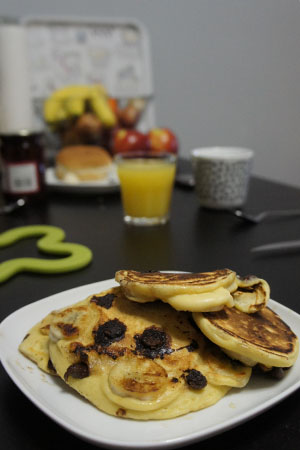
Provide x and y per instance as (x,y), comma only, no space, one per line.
(231,311)
(155,346)
(196,292)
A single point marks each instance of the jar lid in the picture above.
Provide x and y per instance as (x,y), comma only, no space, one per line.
(21,133)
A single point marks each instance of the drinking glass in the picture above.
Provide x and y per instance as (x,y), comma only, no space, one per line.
(147,181)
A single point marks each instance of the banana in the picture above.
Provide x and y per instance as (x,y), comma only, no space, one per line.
(72,91)
(103,111)
(75,106)
(64,103)
(98,90)
(54,111)
(70,101)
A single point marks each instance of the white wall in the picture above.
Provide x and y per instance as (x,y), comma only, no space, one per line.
(226,72)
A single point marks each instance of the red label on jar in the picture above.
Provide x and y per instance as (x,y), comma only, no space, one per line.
(21,177)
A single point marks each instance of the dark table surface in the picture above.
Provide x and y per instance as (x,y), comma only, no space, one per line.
(194,240)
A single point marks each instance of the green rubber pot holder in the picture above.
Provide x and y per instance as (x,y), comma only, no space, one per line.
(51,243)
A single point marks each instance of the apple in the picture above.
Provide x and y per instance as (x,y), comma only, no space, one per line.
(126,140)
(162,140)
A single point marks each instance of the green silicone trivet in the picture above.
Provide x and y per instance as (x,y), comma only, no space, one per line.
(50,242)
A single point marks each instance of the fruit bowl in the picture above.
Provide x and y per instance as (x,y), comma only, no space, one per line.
(87,115)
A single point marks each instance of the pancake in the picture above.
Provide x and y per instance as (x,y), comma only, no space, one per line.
(195,292)
(261,337)
(138,361)
(35,344)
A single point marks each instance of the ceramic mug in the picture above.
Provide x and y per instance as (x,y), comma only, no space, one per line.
(222,175)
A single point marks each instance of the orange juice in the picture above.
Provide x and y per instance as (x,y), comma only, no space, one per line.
(146,188)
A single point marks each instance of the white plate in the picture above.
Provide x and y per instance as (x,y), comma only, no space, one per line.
(84,187)
(79,417)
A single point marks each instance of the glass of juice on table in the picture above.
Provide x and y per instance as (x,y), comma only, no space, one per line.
(146,181)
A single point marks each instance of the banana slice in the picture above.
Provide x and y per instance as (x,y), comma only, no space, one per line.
(252,294)
(140,384)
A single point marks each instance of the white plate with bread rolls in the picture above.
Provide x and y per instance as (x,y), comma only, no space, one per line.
(83,169)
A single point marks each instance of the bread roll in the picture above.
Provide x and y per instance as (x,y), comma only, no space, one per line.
(83,163)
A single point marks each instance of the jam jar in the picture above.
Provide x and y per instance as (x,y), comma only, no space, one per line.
(23,167)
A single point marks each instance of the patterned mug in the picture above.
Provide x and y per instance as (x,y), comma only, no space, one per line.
(222,175)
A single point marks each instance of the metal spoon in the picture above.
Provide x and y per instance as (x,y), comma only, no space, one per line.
(257,218)
(10,207)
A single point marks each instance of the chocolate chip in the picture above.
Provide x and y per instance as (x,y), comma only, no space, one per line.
(111,331)
(195,379)
(80,351)
(153,338)
(78,370)
(105,301)
(277,372)
(192,346)
(153,342)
